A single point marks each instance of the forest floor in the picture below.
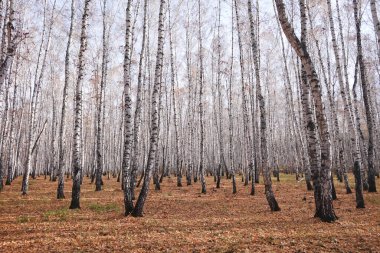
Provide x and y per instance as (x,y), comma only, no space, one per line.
(183,220)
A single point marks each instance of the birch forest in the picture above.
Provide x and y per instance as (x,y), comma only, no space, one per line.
(189,125)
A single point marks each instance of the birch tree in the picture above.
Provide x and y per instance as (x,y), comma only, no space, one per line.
(77,144)
(347,103)
(127,182)
(263,130)
(321,179)
(33,138)
(367,105)
(61,133)
(376,23)
(100,111)
(139,207)
(201,112)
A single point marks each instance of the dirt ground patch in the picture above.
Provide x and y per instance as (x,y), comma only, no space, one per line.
(183,220)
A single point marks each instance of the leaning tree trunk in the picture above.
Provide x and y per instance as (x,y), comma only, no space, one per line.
(139,207)
(322,191)
(77,144)
(263,129)
(367,103)
(305,106)
(308,115)
(334,116)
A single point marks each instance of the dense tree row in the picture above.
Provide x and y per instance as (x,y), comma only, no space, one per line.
(235,88)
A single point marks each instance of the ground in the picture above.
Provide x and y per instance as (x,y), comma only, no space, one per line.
(183,220)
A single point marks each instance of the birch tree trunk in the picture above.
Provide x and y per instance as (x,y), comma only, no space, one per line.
(139,207)
(13,39)
(321,179)
(137,116)
(376,23)
(11,155)
(263,129)
(3,128)
(367,104)
(32,139)
(52,164)
(62,128)
(230,118)
(347,103)
(5,66)
(190,121)
(128,131)
(222,161)
(77,155)
(175,118)
(298,130)
(247,134)
(99,130)
(201,112)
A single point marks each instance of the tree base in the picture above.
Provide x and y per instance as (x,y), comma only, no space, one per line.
(372,185)
(360,205)
(60,195)
(274,207)
(326,217)
(74,207)
(372,189)
(128,211)
(74,204)
(137,213)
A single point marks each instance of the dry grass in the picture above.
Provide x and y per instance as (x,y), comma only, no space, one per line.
(183,220)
